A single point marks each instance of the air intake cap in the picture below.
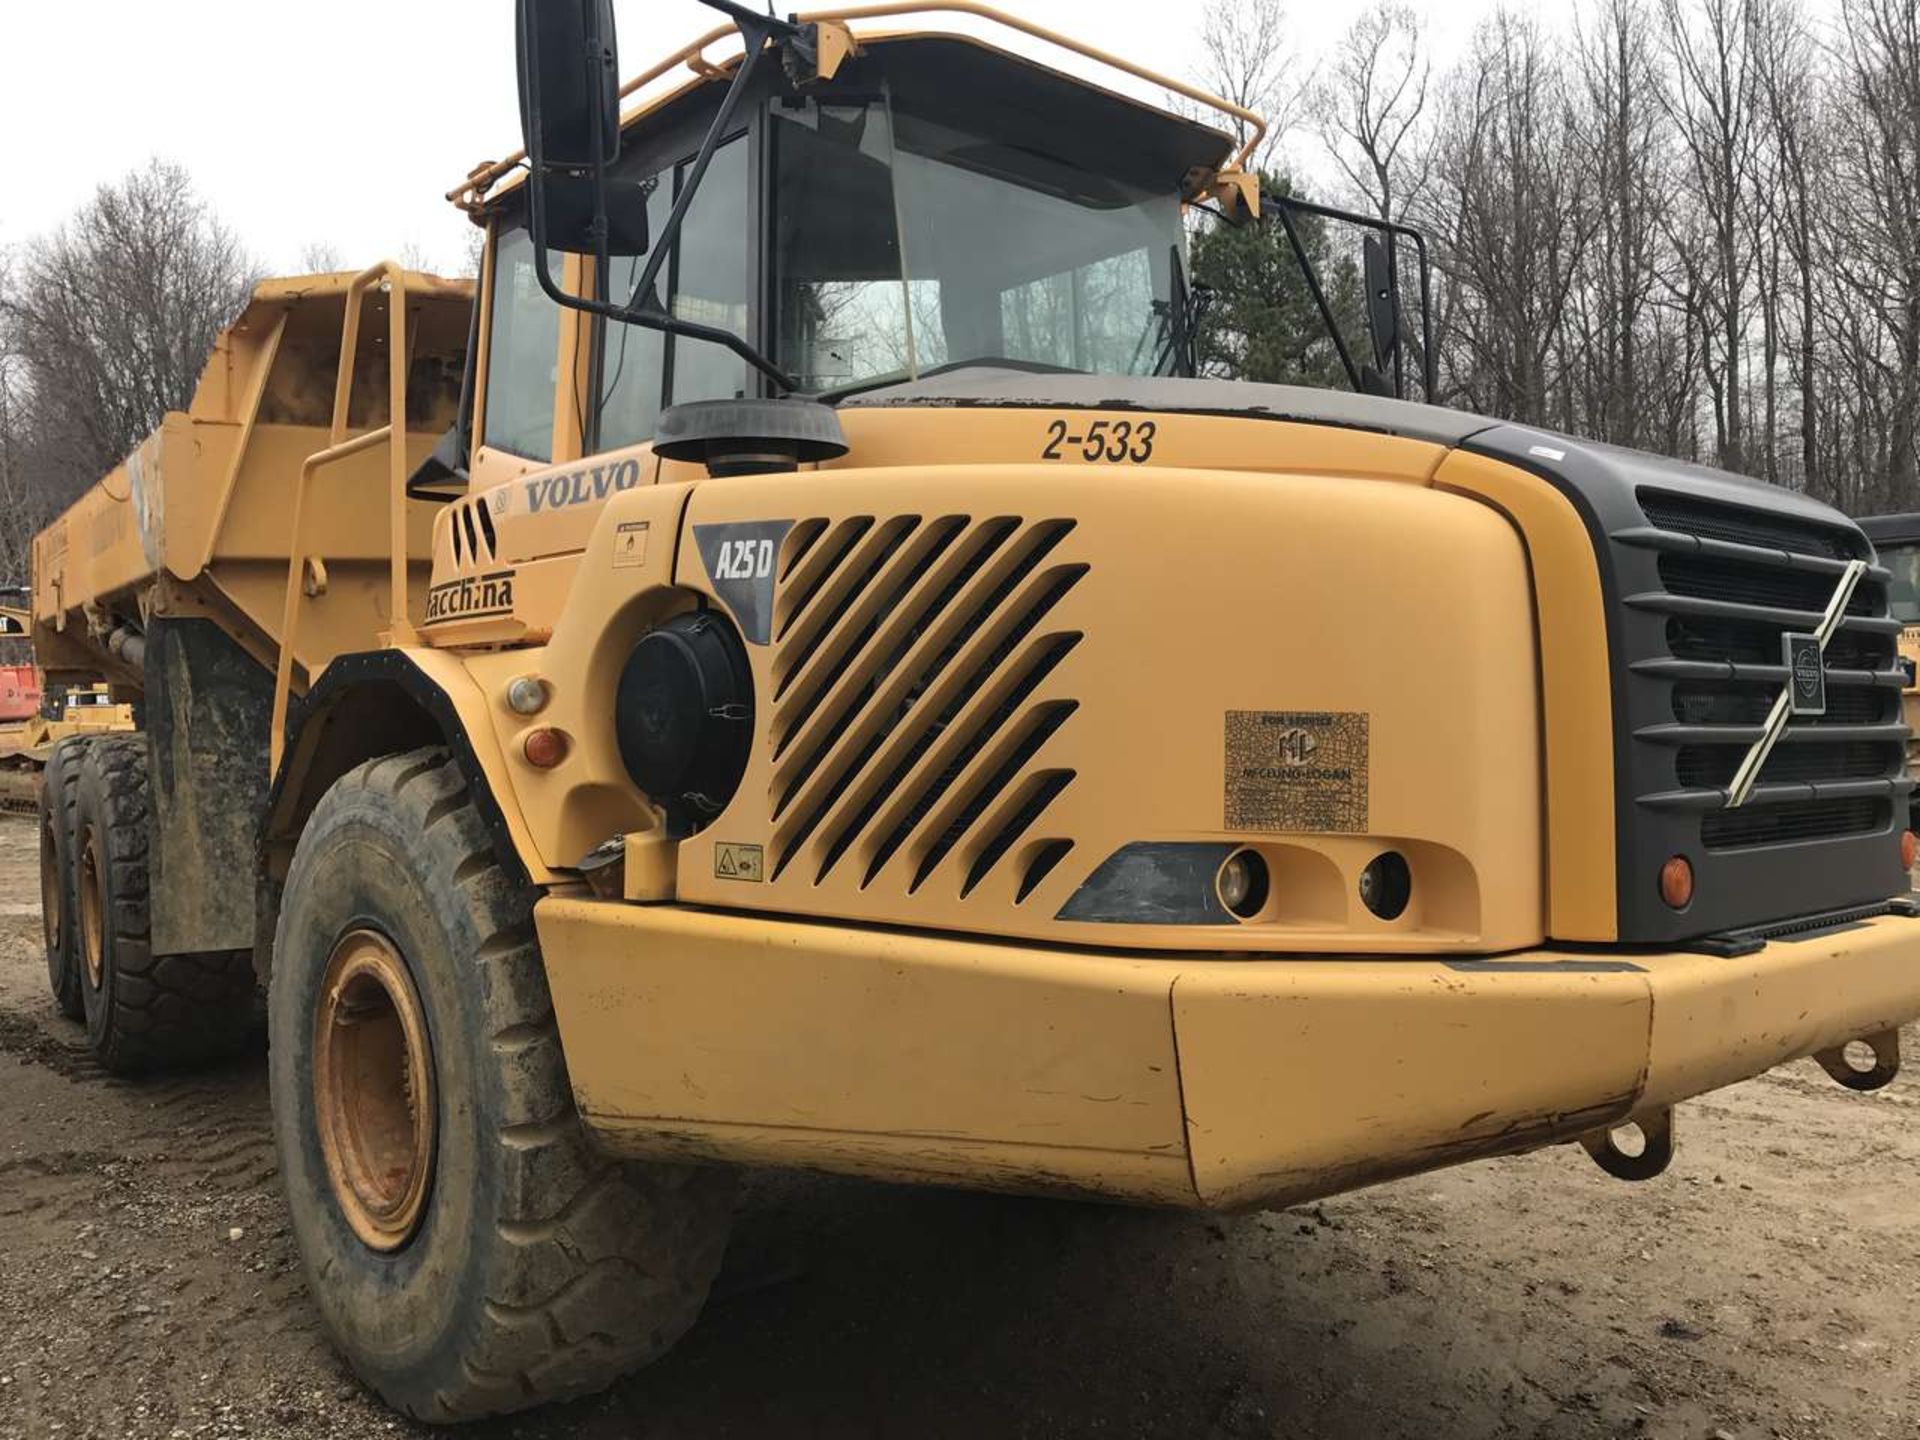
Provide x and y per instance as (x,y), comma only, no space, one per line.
(749,437)
(683,717)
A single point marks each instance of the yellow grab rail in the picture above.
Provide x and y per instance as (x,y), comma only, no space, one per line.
(473,190)
(394,436)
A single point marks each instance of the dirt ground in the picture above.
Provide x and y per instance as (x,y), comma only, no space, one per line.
(1764,1287)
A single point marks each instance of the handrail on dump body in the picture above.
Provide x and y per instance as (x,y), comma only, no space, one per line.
(473,190)
(339,447)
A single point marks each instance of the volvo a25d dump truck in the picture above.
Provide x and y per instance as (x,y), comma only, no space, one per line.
(797,669)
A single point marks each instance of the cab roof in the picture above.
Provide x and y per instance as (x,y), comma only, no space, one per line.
(1070,117)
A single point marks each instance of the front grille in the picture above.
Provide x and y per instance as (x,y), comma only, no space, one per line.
(1689,515)
(1707,617)
(1784,824)
(914,700)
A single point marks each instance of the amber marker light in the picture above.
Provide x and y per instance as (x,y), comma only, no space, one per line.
(1909,849)
(545,747)
(1676,882)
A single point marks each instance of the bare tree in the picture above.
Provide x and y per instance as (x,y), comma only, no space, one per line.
(1250,62)
(320,257)
(1506,213)
(107,323)
(1370,102)
(1713,100)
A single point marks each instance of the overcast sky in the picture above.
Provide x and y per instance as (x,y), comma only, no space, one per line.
(344,122)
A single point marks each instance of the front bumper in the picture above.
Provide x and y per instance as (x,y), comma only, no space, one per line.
(1181,1081)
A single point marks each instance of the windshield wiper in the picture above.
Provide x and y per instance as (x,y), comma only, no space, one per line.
(982,362)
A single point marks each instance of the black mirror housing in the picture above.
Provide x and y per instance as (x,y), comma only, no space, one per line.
(570,217)
(569,68)
(1383,306)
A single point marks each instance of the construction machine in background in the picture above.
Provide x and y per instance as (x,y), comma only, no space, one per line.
(33,721)
(798,670)
(1896,539)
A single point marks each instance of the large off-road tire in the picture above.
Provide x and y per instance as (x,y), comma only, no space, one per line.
(59,919)
(470,1250)
(143,1011)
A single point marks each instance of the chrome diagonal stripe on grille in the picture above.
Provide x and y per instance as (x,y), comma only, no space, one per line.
(1749,771)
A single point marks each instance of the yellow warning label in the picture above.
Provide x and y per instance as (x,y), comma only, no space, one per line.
(737,862)
(629,544)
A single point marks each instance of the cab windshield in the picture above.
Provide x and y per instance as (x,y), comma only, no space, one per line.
(1903,592)
(902,245)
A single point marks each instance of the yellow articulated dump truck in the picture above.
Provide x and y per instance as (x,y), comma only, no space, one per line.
(796,669)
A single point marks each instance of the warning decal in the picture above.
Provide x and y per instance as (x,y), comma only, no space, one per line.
(629,544)
(1296,770)
(737,862)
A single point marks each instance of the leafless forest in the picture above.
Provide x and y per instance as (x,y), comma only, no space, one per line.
(1691,226)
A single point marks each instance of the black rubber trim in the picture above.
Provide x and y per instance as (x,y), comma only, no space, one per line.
(349,672)
(1545,967)
(1732,943)
(995,387)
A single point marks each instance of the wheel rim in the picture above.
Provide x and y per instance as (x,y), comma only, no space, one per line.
(373,1089)
(93,909)
(50,886)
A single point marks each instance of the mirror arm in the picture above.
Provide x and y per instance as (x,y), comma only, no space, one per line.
(755,31)
(1283,208)
(1429,366)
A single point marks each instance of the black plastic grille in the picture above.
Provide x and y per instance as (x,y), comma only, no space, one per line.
(1739,703)
(1717,569)
(1686,515)
(1695,637)
(1712,578)
(1785,824)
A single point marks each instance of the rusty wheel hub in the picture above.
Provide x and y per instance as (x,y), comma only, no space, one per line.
(93,908)
(373,1089)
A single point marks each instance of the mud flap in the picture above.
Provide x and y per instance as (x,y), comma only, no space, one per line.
(208,708)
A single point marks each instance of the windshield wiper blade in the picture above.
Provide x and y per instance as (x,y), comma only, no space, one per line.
(984,362)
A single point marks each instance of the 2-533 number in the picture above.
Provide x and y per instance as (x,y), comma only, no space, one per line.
(1116,441)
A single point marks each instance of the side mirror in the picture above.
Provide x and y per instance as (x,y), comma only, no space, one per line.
(1383,314)
(569,66)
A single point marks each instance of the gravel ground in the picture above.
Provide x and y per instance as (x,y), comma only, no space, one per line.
(1764,1287)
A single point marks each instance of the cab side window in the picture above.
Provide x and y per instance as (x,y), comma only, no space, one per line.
(523,351)
(644,370)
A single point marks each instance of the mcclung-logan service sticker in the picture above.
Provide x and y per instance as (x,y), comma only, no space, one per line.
(1296,770)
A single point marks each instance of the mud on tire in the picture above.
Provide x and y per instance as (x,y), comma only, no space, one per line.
(143,1011)
(59,919)
(535,1268)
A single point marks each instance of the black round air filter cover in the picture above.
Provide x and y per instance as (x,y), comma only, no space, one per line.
(683,717)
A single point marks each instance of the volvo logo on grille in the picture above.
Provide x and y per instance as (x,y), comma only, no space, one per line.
(1805,692)
(1807,680)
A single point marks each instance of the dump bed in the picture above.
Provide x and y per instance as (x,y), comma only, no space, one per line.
(198,519)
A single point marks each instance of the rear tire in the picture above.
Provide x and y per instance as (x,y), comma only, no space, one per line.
(143,1011)
(469,1249)
(59,786)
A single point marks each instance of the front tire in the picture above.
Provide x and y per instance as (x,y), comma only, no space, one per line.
(470,1251)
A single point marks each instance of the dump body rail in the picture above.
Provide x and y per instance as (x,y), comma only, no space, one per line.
(393,280)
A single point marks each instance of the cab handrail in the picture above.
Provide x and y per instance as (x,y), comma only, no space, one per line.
(471,191)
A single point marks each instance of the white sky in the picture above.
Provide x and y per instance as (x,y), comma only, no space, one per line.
(343,122)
